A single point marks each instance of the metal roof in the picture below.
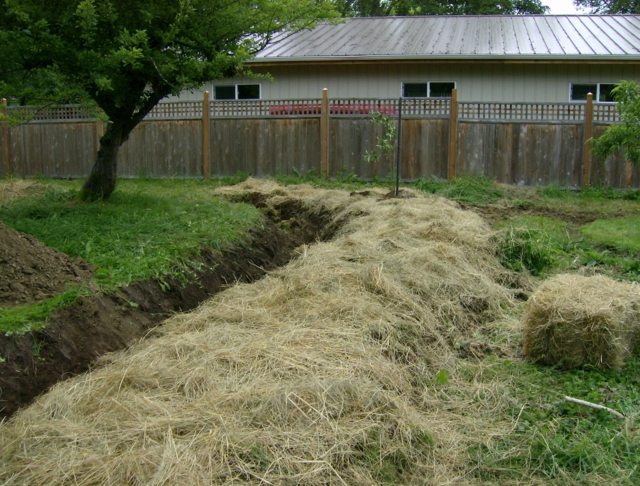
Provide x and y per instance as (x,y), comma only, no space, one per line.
(517,37)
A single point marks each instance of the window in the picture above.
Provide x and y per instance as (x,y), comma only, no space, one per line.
(415,90)
(427,90)
(225,92)
(237,92)
(248,91)
(441,90)
(604,93)
(601,91)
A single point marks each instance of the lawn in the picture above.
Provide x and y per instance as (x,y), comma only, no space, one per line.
(148,229)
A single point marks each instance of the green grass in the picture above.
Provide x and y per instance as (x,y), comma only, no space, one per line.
(344,180)
(559,442)
(148,229)
(595,201)
(621,234)
(472,190)
(590,193)
(544,245)
(536,244)
(24,318)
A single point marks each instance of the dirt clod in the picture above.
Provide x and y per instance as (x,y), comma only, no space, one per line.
(32,271)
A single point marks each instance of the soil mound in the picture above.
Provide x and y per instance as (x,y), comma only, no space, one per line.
(326,371)
(32,271)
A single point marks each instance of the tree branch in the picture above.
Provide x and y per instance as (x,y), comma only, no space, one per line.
(594,406)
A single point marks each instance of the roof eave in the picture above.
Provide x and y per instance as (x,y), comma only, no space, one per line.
(448,58)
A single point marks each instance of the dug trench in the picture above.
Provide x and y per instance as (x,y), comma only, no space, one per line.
(77,335)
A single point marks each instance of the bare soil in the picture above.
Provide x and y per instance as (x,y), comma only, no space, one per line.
(75,336)
(32,271)
(496,212)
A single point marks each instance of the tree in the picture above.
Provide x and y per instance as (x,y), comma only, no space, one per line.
(366,8)
(610,6)
(626,135)
(127,55)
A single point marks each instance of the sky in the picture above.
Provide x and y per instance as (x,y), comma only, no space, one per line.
(561,7)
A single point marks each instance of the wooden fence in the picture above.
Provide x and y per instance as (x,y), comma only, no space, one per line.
(516,143)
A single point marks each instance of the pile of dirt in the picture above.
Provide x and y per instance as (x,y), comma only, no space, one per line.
(573,321)
(327,371)
(32,271)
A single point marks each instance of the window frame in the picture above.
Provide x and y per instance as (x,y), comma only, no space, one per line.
(235,91)
(428,85)
(596,95)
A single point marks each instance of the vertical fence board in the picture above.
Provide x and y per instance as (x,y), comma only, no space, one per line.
(52,149)
(425,148)
(162,148)
(266,147)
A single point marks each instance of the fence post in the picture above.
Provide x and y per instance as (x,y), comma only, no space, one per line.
(628,174)
(324,134)
(205,136)
(453,133)
(398,148)
(6,158)
(588,134)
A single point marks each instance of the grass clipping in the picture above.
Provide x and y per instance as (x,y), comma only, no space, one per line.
(327,371)
(573,321)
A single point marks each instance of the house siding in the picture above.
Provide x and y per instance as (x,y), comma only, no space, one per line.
(475,81)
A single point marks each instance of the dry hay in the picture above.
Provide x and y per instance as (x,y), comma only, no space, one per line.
(323,372)
(573,321)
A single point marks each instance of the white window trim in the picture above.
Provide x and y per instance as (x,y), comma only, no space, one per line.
(428,83)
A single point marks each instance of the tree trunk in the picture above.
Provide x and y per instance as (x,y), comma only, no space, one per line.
(102,180)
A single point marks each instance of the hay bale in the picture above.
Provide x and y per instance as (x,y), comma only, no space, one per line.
(573,321)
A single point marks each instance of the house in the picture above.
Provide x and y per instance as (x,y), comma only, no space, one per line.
(520,58)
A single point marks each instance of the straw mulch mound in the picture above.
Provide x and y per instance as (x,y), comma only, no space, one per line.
(573,321)
(324,372)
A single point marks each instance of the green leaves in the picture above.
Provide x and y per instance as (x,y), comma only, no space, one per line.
(625,136)
(126,55)
(87,20)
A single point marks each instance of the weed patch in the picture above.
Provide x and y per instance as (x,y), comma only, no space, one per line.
(472,190)
(146,230)
(526,250)
(543,245)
